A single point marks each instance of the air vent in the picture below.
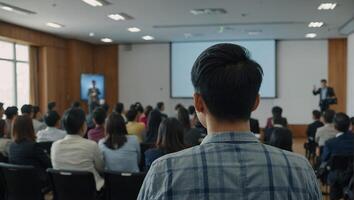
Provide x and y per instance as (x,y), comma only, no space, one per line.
(208,11)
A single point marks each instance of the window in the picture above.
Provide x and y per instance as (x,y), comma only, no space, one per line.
(15,75)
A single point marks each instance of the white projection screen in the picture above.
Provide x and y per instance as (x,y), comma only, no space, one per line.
(183,55)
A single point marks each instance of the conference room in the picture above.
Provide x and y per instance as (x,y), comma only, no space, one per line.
(176,99)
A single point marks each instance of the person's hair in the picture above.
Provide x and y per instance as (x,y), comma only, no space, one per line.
(1,105)
(51,118)
(93,81)
(147,111)
(27,109)
(316,114)
(328,115)
(99,115)
(183,117)
(323,81)
(178,106)
(105,106)
(228,81)
(131,115)
(277,111)
(352,121)
(35,110)
(116,131)
(11,112)
(191,110)
(139,108)
(76,104)
(119,108)
(51,105)
(23,129)
(154,121)
(2,128)
(73,120)
(159,105)
(170,137)
(281,138)
(341,122)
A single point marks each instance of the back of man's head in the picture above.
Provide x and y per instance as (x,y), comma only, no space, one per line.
(51,118)
(51,105)
(328,116)
(228,81)
(26,109)
(99,115)
(160,105)
(277,111)
(131,115)
(119,108)
(73,120)
(316,114)
(11,112)
(341,122)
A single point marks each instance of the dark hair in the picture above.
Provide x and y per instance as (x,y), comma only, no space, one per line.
(178,106)
(323,81)
(191,110)
(23,129)
(76,104)
(341,122)
(131,115)
(119,108)
(316,114)
(116,131)
(11,112)
(170,137)
(352,121)
(35,110)
(137,107)
(277,111)
(73,120)
(153,125)
(51,105)
(147,111)
(1,105)
(51,118)
(2,128)
(183,117)
(159,105)
(227,80)
(26,109)
(105,106)
(281,138)
(328,115)
(99,115)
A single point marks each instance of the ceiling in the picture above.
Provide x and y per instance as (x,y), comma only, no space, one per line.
(171,20)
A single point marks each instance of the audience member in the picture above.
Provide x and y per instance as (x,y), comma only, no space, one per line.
(133,126)
(119,108)
(99,117)
(160,106)
(105,107)
(2,110)
(178,106)
(227,83)
(277,120)
(51,106)
(75,152)
(352,124)
(121,152)
(52,133)
(76,104)
(144,117)
(192,136)
(37,119)
(282,138)
(254,125)
(4,142)
(312,128)
(192,116)
(183,117)
(154,121)
(27,109)
(327,131)
(10,113)
(24,149)
(169,140)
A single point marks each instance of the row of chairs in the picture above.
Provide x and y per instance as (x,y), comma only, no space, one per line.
(22,182)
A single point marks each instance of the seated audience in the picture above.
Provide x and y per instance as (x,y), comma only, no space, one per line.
(121,152)
(52,133)
(75,152)
(10,113)
(76,104)
(282,138)
(352,124)
(327,131)
(24,150)
(169,140)
(99,117)
(154,121)
(254,125)
(192,116)
(89,117)
(160,106)
(312,128)
(144,117)
(52,106)
(133,126)
(230,163)
(37,119)
(277,120)
(178,106)
(2,110)
(119,108)
(192,136)
(4,141)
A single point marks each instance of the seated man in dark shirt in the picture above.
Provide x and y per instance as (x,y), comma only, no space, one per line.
(312,128)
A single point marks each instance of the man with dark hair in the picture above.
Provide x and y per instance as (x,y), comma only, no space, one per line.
(76,104)
(327,95)
(51,106)
(327,131)
(231,162)
(160,106)
(37,119)
(75,152)
(52,132)
(27,109)
(119,108)
(99,116)
(312,128)
(10,113)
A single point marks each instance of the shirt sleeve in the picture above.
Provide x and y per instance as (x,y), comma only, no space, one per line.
(147,189)
(314,190)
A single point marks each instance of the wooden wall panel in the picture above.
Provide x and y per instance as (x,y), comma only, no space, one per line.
(337,71)
(298,130)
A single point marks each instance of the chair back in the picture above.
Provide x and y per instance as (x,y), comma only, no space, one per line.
(341,162)
(46,146)
(20,182)
(72,185)
(123,185)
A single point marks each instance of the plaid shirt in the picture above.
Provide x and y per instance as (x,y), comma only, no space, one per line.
(231,166)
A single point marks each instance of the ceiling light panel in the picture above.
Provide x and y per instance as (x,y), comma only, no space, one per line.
(208,11)
(134,29)
(15,9)
(327,6)
(148,37)
(54,25)
(96,3)
(107,40)
(310,35)
(315,24)
(120,17)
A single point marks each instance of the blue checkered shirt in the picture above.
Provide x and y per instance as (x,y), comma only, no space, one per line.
(231,166)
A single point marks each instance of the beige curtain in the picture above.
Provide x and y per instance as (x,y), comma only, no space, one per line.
(33,62)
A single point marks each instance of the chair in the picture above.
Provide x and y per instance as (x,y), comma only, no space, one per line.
(72,185)
(123,185)
(20,182)
(46,146)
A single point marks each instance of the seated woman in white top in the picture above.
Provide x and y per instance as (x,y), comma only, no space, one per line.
(52,133)
(121,152)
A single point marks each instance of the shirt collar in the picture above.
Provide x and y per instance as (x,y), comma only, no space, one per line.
(72,136)
(230,137)
(339,134)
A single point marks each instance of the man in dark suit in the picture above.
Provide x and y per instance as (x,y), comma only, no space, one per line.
(327,95)
(312,128)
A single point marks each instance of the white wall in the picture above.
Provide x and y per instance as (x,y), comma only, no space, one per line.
(350,75)
(144,76)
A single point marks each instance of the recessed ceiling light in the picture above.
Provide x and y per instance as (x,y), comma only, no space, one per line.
(148,37)
(311,35)
(7,8)
(208,11)
(106,40)
(91,34)
(93,3)
(54,25)
(116,17)
(134,29)
(315,24)
(327,6)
